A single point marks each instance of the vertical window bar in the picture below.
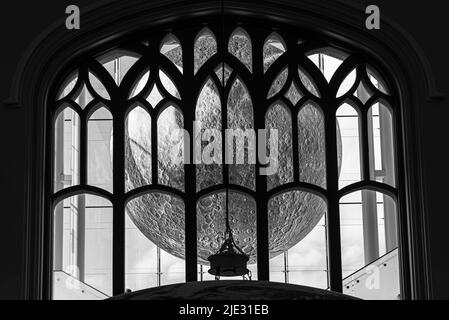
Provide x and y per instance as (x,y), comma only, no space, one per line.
(58,217)
(222,49)
(80,236)
(333,211)
(369,202)
(118,100)
(327,251)
(292,69)
(366,140)
(188,95)
(83,137)
(263,271)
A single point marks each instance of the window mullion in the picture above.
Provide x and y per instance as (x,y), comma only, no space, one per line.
(188,96)
(118,257)
(333,212)
(263,271)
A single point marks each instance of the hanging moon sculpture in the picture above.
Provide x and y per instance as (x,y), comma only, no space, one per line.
(161,216)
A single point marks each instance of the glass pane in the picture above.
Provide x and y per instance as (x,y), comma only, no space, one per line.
(67,86)
(351,237)
(211,225)
(277,276)
(172,269)
(240,119)
(146,264)
(273,48)
(137,149)
(312,146)
(82,247)
(208,117)
(84,97)
(292,215)
(160,218)
(140,259)
(171,48)
(348,122)
(293,94)
(380,132)
(347,83)
(205,48)
(278,118)
(98,86)
(155,96)
(326,64)
(99,149)
(368,228)
(168,84)
(67,150)
(362,93)
(307,261)
(308,83)
(240,46)
(226,72)
(140,84)
(278,266)
(368,236)
(118,63)
(170,139)
(312,278)
(278,83)
(377,81)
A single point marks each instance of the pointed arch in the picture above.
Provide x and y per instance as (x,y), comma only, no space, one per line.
(41,71)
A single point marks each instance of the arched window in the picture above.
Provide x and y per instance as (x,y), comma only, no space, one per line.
(135,207)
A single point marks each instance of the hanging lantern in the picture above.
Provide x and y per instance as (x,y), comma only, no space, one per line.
(230,260)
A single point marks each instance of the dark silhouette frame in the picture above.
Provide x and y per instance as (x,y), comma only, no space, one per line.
(329,23)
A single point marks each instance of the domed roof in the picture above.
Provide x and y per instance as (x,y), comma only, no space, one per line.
(233,289)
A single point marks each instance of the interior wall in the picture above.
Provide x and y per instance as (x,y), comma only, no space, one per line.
(21,21)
